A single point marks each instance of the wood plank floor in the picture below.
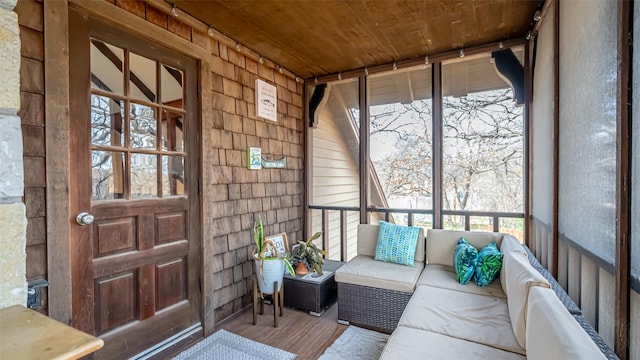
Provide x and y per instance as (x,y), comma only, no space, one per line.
(297,332)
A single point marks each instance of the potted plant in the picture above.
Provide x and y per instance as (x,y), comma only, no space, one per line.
(270,265)
(307,256)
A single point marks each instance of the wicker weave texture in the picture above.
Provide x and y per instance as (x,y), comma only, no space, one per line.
(571,306)
(307,296)
(370,307)
(599,341)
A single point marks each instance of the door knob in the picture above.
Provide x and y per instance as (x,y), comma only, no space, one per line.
(84,218)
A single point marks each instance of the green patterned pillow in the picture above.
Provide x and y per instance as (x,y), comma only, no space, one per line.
(488,264)
(397,243)
(464,261)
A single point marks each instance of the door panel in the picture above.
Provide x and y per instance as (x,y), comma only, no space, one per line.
(136,269)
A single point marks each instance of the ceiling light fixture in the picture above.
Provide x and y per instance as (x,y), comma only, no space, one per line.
(261,59)
(501,45)
(238,46)
(461,52)
(315,81)
(528,37)
(174,10)
(426,59)
(366,71)
(395,66)
(280,69)
(537,16)
(340,75)
(210,32)
(298,79)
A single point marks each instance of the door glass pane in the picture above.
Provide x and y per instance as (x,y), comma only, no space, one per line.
(401,140)
(106,67)
(144,176)
(171,81)
(172,175)
(143,127)
(106,121)
(107,169)
(142,78)
(172,137)
(483,143)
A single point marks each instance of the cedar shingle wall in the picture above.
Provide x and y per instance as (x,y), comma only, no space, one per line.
(232,194)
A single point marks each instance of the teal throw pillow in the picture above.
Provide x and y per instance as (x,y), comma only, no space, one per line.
(464,261)
(397,243)
(488,264)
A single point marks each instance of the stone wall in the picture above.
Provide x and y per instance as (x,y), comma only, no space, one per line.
(12,209)
(30,19)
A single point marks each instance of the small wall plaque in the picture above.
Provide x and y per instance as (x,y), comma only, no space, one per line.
(254,158)
(274,164)
(266,100)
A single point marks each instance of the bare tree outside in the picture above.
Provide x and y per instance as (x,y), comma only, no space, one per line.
(482,153)
(402,137)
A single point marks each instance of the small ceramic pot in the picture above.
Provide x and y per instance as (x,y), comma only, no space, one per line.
(269,271)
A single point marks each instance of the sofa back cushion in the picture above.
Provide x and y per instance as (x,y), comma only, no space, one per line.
(442,243)
(510,243)
(520,277)
(368,239)
(552,333)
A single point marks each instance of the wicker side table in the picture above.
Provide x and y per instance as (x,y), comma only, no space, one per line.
(312,295)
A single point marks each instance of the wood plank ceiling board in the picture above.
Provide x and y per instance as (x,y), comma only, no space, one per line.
(315,38)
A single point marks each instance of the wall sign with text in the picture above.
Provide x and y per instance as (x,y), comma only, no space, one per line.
(266,100)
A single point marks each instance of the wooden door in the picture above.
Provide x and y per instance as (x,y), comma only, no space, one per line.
(134,136)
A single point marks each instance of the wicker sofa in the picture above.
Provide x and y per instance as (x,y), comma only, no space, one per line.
(430,315)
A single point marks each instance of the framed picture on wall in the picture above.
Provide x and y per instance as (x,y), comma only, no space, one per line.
(266,99)
(254,158)
(280,243)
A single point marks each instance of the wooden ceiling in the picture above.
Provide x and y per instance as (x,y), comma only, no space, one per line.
(319,37)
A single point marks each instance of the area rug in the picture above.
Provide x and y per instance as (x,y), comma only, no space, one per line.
(356,344)
(223,345)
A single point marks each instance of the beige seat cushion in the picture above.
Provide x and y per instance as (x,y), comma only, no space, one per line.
(368,239)
(408,344)
(441,243)
(442,276)
(552,333)
(364,270)
(478,318)
(520,276)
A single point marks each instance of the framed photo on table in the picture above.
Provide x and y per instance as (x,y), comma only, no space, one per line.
(280,242)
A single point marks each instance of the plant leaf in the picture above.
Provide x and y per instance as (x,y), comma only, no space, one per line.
(317,268)
(289,268)
(314,236)
(258,234)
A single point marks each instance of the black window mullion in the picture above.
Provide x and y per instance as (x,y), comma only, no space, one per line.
(436,88)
